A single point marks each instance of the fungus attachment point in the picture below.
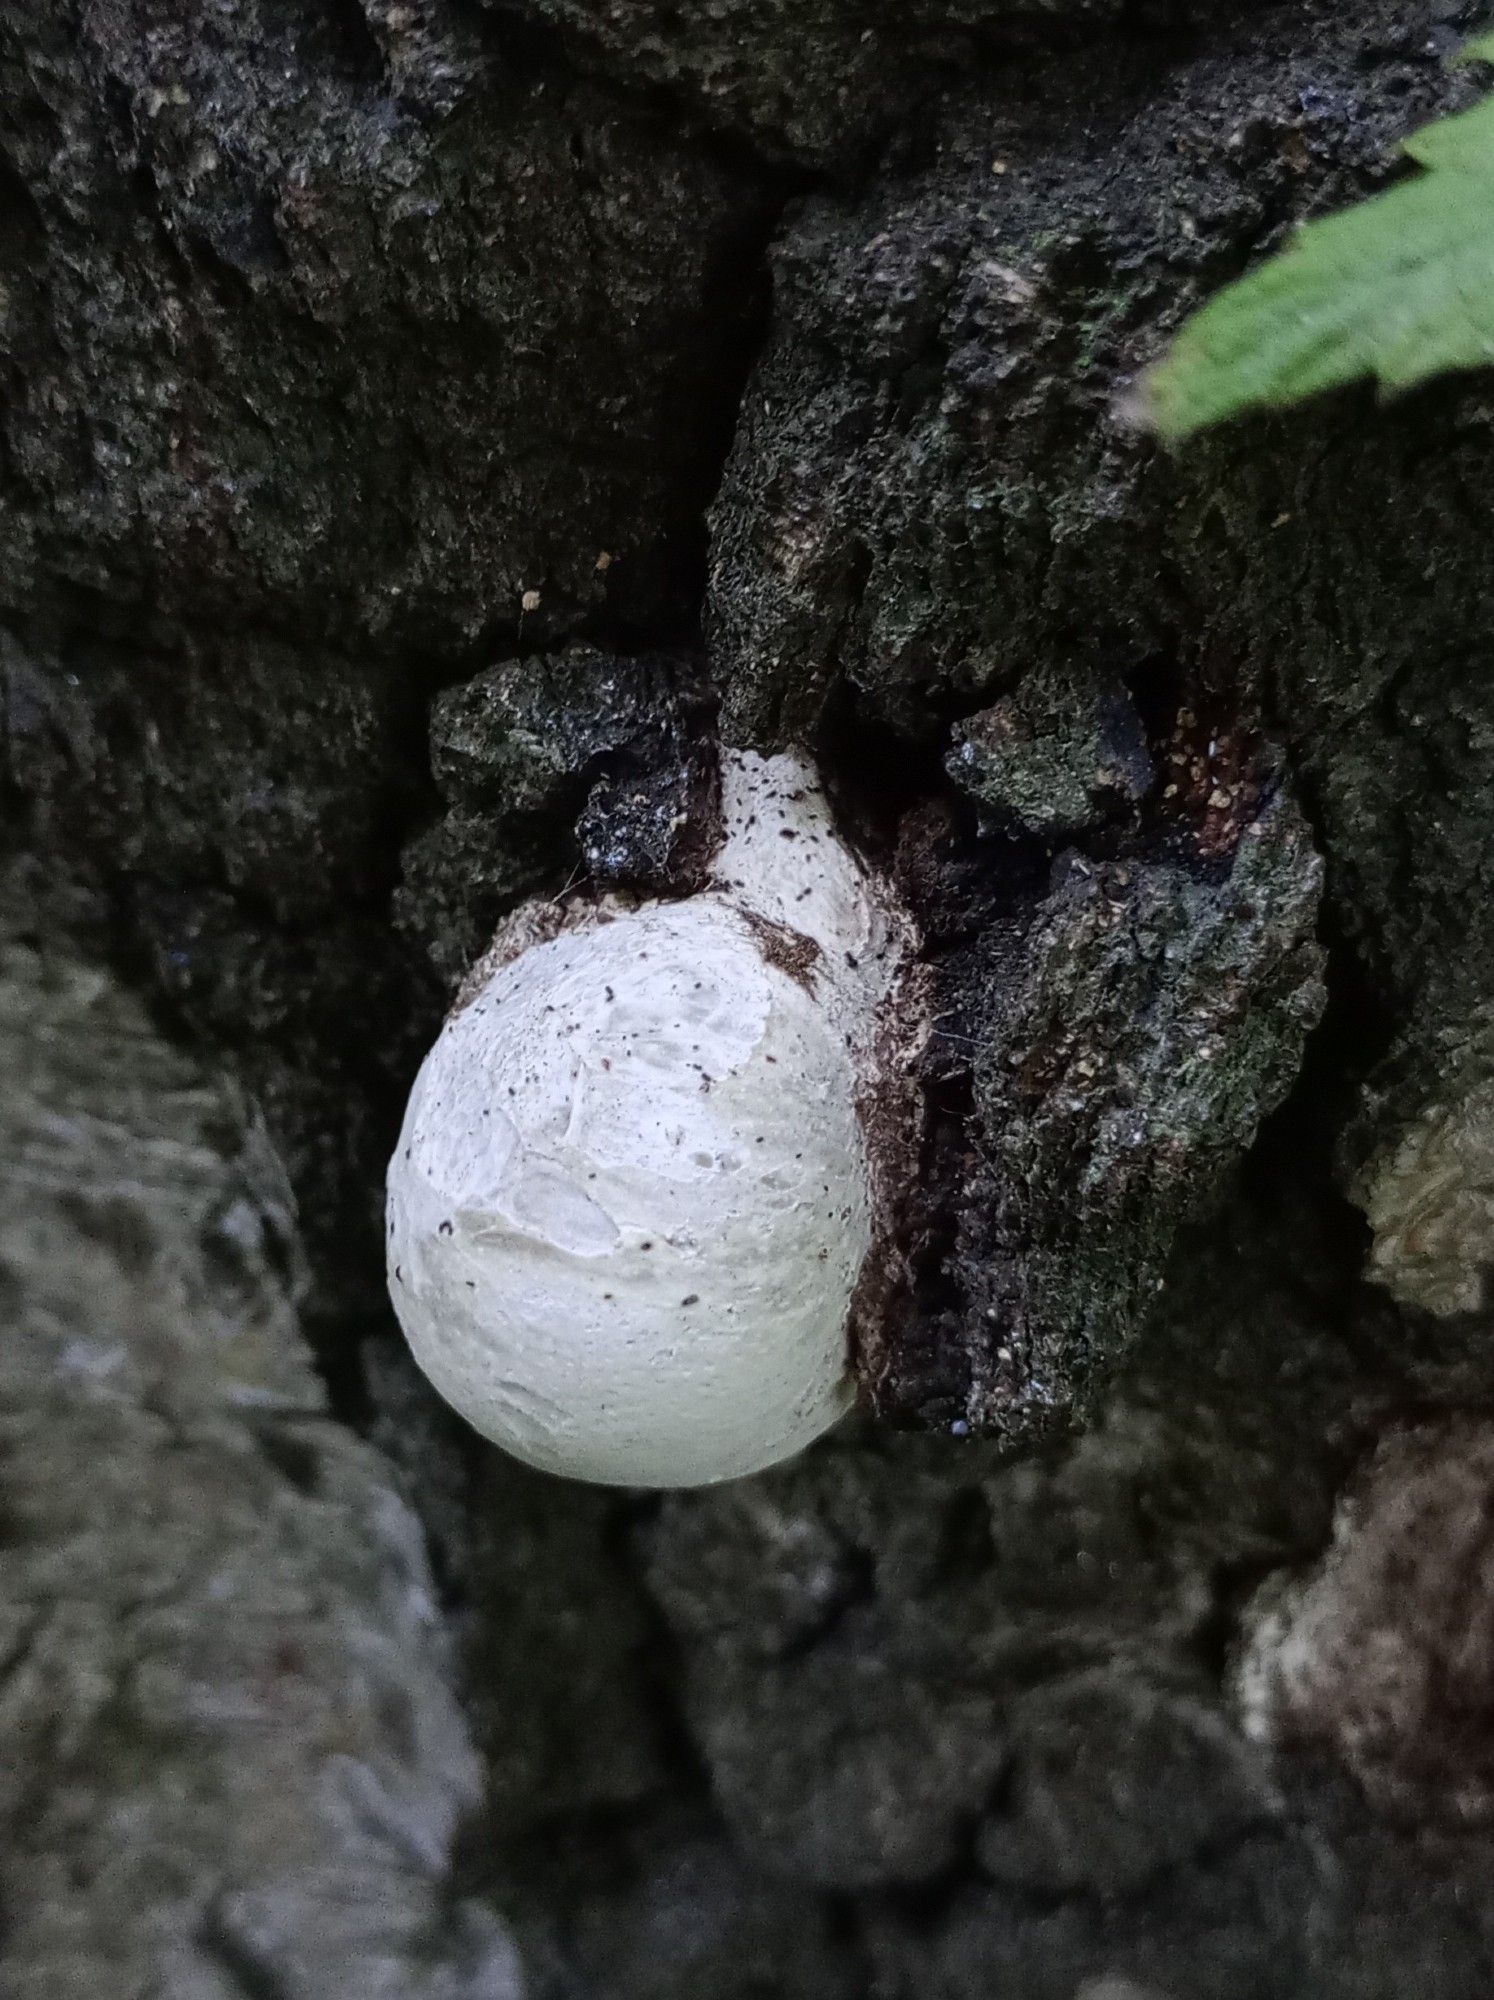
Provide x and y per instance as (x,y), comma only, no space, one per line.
(632,1198)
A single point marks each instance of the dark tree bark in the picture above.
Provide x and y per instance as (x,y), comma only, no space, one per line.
(424,423)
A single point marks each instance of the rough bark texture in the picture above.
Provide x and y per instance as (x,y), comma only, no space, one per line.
(420,418)
(236,1762)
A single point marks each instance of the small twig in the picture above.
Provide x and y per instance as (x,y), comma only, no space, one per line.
(561,893)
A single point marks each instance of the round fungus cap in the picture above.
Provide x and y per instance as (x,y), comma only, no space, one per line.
(631,1200)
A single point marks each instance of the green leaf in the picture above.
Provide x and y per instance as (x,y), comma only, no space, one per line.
(1399,287)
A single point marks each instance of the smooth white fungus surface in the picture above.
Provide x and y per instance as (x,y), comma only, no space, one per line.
(630,1200)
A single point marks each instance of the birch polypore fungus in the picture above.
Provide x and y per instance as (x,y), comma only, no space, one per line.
(638,1193)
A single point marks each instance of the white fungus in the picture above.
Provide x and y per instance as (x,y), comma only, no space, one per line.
(631,1200)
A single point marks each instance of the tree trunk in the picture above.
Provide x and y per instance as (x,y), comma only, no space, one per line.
(425,423)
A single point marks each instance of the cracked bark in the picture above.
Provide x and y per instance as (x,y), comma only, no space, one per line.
(370,371)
